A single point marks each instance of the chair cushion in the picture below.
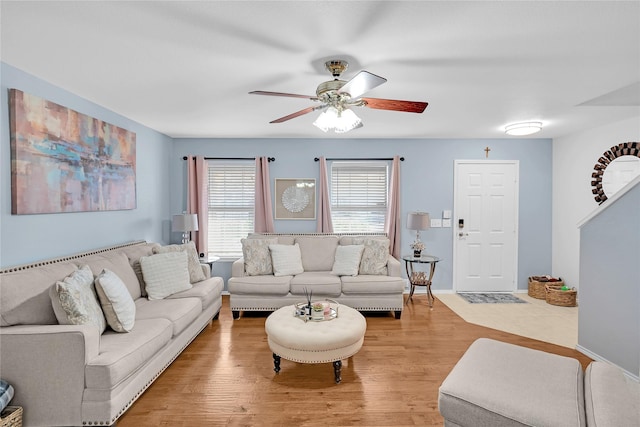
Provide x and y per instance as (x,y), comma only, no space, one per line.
(123,354)
(206,291)
(259,285)
(500,384)
(608,400)
(31,305)
(180,311)
(318,252)
(321,283)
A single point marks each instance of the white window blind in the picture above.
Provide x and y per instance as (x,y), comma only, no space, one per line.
(231,205)
(359,196)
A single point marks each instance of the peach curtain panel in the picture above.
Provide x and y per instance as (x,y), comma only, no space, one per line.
(263,219)
(392,221)
(198,198)
(324,224)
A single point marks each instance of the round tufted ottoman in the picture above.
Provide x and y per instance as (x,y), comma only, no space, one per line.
(315,342)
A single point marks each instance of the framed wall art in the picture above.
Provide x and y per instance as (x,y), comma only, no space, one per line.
(295,198)
(66,161)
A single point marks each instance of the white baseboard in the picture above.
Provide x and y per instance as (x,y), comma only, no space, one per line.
(599,358)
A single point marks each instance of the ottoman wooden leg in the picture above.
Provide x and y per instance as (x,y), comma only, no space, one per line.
(276,363)
(337,366)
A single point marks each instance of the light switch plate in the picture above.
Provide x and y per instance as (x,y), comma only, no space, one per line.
(446,215)
(446,223)
(436,223)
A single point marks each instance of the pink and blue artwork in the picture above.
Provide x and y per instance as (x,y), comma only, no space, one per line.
(66,161)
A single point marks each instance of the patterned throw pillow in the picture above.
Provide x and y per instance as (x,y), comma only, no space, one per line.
(165,274)
(257,258)
(74,300)
(195,269)
(286,259)
(347,260)
(116,301)
(374,257)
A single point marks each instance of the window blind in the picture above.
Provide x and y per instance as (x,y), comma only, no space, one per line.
(231,205)
(359,193)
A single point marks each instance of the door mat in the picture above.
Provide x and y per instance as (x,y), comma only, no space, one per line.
(491,298)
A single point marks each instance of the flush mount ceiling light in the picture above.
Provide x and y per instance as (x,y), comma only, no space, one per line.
(523,128)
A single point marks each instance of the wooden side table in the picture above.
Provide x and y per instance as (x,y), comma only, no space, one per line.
(420,278)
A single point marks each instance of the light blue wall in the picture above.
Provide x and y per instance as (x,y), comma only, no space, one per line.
(426,181)
(609,320)
(27,238)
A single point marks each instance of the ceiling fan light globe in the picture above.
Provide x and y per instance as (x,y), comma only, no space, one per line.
(346,121)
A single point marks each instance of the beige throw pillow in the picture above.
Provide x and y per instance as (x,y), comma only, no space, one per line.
(74,300)
(165,274)
(195,270)
(116,301)
(286,260)
(374,257)
(347,262)
(257,258)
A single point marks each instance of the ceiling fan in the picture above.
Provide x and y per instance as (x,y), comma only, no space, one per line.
(337,97)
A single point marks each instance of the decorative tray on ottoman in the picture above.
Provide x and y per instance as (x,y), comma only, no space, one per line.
(304,312)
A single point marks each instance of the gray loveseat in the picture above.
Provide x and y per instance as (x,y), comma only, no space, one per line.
(72,375)
(364,292)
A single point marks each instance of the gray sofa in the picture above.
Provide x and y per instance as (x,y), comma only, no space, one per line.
(363,292)
(496,384)
(71,375)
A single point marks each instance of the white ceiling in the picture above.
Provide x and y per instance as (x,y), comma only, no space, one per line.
(185,68)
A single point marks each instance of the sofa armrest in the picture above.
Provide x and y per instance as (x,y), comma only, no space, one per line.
(206,269)
(237,268)
(394,268)
(46,366)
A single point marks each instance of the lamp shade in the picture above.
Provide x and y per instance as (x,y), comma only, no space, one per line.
(418,221)
(184,222)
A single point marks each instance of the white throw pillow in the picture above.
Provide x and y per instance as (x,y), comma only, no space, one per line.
(286,260)
(74,300)
(347,262)
(374,257)
(165,274)
(116,301)
(195,269)
(257,259)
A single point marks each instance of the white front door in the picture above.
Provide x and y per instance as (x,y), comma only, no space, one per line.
(485,226)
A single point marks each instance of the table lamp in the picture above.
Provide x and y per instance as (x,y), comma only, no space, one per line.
(186,223)
(418,221)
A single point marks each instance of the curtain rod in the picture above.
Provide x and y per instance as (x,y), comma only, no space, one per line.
(271,159)
(317,159)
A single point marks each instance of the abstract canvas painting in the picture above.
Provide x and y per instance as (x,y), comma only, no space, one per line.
(66,161)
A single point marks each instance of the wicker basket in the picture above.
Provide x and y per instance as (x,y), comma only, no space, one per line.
(536,287)
(11,417)
(556,296)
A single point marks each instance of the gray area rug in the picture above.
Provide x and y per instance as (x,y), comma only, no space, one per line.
(491,298)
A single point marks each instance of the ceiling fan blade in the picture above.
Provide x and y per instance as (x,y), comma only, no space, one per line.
(363,82)
(395,105)
(290,95)
(296,114)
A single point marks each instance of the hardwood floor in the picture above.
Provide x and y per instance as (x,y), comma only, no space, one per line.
(225,377)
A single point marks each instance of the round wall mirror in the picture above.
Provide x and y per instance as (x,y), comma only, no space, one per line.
(615,169)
